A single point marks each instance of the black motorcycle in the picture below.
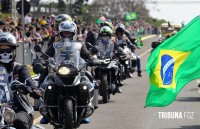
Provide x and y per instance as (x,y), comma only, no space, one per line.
(68,92)
(105,70)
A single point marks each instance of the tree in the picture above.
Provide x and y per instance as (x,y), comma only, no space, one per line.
(6,6)
(61,6)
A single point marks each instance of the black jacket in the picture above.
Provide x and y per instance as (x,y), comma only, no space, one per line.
(21,73)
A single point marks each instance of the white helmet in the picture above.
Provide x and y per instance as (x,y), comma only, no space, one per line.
(68,26)
(8,39)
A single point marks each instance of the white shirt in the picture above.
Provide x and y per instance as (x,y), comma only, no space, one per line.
(27,19)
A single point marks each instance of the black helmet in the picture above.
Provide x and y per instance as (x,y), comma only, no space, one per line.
(9,39)
(120,27)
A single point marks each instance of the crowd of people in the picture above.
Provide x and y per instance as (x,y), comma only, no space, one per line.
(39,30)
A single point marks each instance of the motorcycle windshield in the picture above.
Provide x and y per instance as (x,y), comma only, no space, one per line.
(105,50)
(6,94)
(68,53)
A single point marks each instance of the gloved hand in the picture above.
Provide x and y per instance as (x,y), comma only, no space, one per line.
(93,62)
(36,94)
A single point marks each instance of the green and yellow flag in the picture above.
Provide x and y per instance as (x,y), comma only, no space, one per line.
(131,16)
(173,64)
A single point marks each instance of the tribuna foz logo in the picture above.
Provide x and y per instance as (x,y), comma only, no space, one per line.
(176,115)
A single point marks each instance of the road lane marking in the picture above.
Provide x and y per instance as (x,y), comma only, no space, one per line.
(149,50)
(150,36)
(144,53)
(37,119)
(147,37)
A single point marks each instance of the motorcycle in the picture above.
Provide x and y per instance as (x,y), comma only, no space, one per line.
(68,93)
(104,71)
(126,56)
(155,44)
(8,94)
(131,59)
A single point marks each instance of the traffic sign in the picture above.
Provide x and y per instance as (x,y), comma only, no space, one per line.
(27,7)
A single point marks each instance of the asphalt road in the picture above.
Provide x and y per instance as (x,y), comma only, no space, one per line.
(126,110)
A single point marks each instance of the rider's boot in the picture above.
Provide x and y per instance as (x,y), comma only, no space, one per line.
(85,120)
(44,120)
(139,74)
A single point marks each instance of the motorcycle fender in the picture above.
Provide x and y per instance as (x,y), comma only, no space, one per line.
(83,95)
(50,94)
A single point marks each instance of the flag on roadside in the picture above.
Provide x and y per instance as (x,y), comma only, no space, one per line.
(139,41)
(128,17)
(98,21)
(131,16)
(173,64)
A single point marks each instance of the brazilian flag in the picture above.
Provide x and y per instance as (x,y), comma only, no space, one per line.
(173,64)
(131,16)
(139,41)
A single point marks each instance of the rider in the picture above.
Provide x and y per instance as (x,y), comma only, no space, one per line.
(108,23)
(67,32)
(60,18)
(17,71)
(121,42)
(105,40)
(133,41)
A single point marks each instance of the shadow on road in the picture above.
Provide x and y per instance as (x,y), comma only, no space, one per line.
(193,89)
(188,99)
(186,127)
(101,102)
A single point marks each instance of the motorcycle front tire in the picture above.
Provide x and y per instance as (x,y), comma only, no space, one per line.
(104,88)
(68,111)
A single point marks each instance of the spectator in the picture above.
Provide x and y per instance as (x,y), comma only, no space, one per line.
(2,26)
(27,18)
(90,37)
(52,20)
(43,21)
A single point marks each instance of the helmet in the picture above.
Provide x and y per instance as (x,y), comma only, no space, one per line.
(62,17)
(68,26)
(8,39)
(108,23)
(119,27)
(106,29)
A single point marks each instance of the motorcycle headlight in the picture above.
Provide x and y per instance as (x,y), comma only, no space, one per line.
(63,71)
(9,115)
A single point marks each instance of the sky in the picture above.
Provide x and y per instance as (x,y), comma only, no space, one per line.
(176,11)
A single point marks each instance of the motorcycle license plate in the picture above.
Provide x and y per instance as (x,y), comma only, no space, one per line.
(126,62)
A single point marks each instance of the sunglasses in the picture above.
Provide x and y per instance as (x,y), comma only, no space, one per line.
(7,50)
(105,35)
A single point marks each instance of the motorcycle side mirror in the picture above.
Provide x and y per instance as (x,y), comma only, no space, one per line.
(37,48)
(38,68)
(155,44)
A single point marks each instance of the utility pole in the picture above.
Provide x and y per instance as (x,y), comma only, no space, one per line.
(23,29)
(13,10)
